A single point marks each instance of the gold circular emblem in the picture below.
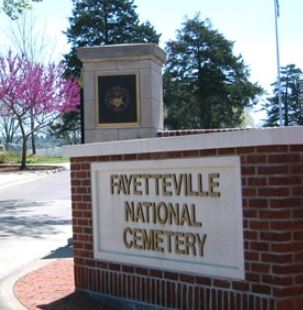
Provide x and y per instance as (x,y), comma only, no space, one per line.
(117,99)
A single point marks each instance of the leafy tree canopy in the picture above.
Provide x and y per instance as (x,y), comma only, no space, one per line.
(205,85)
(13,8)
(292,109)
(97,22)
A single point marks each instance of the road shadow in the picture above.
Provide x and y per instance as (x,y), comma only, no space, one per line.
(75,301)
(18,220)
(62,252)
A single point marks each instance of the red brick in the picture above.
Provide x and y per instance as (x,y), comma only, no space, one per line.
(249,213)
(226,151)
(156,273)
(285,180)
(296,168)
(256,181)
(283,158)
(297,191)
(191,153)
(256,159)
(258,225)
(144,156)
(221,283)
(285,202)
(296,148)
(272,148)
(271,170)
(187,278)
(251,256)
(129,156)
(250,170)
(289,225)
(273,214)
(299,279)
(250,235)
(274,191)
(276,280)
(287,269)
(298,235)
(245,150)
(275,236)
(287,247)
(261,289)
(170,275)
(203,281)
(249,192)
(208,152)
(259,246)
(258,203)
(261,267)
(276,258)
(285,305)
(240,286)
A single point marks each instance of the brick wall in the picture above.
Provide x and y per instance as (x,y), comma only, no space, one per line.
(272,191)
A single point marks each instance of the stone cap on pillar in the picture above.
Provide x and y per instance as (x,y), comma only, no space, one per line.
(113,52)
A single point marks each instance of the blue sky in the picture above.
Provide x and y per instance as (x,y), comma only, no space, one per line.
(250,24)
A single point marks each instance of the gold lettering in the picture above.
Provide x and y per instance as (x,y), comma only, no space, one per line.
(166,183)
(113,183)
(179,243)
(201,243)
(190,243)
(127,182)
(146,182)
(137,233)
(190,186)
(173,214)
(200,186)
(177,182)
(156,177)
(129,213)
(158,240)
(148,240)
(136,184)
(213,184)
(139,213)
(128,244)
(185,217)
(193,216)
(168,234)
(162,216)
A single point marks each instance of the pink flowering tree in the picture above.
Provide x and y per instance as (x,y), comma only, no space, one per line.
(34,94)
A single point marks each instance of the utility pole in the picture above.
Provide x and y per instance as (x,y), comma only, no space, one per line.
(277,14)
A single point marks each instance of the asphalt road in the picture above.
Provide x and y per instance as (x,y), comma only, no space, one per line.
(35,220)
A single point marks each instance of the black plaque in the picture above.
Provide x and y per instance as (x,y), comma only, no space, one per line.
(117,99)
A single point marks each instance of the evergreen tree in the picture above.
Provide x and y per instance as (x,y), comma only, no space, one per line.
(205,85)
(14,8)
(292,109)
(98,22)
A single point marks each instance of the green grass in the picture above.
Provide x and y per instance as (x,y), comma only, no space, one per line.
(37,159)
(14,158)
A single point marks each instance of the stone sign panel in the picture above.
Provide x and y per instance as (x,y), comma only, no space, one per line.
(179,214)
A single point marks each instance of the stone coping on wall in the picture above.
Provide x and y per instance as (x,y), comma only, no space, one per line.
(230,139)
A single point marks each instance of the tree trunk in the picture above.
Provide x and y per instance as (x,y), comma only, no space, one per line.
(24,149)
(24,146)
(33,136)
